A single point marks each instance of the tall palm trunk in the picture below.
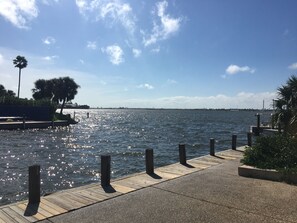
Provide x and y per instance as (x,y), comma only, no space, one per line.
(62,107)
(19,83)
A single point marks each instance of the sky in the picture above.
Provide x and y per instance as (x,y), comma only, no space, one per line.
(153,54)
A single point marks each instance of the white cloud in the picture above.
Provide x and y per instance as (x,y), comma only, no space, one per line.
(1,59)
(136,53)
(113,11)
(116,54)
(82,61)
(165,27)
(293,66)
(50,58)
(48,2)
(18,12)
(49,40)
(146,86)
(241,100)
(234,69)
(92,45)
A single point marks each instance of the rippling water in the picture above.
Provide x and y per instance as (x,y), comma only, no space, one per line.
(70,157)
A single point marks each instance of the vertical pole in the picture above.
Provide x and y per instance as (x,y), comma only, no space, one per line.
(234,141)
(249,138)
(258,125)
(212,147)
(88,115)
(24,122)
(149,161)
(105,170)
(182,154)
(34,184)
(53,124)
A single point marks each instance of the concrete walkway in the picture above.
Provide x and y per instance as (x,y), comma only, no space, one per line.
(216,194)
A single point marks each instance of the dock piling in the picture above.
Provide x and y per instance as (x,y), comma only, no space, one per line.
(34,184)
(212,147)
(149,161)
(249,138)
(182,154)
(234,141)
(24,122)
(105,170)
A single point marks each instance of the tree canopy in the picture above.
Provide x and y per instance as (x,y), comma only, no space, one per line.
(286,106)
(58,90)
(4,92)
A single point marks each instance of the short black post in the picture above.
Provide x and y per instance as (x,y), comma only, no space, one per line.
(257,133)
(149,161)
(212,147)
(105,170)
(53,124)
(88,115)
(234,141)
(34,184)
(24,122)
(182,154)
(249,138)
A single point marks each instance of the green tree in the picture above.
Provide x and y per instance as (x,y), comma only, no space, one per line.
(44,89)
(61,89)
(65,90)
(286,106)
(4,92)
(20,62)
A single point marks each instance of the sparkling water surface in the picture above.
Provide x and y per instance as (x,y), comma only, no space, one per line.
(70,156)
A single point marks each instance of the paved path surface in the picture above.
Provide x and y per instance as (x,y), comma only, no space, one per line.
(215,194)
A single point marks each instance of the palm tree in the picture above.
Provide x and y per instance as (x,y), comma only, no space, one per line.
(20,62)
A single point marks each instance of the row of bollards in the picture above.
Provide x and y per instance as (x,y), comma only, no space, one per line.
(34,171)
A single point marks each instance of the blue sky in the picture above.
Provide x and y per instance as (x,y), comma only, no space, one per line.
(161,54)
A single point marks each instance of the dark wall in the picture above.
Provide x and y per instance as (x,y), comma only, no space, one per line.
(31,113)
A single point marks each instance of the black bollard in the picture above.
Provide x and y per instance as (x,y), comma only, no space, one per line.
(24,122)
(212,147)
(257,133)
(234,141)
(149,161)
(34,184)
(105,170)
(249,138)
(182,154)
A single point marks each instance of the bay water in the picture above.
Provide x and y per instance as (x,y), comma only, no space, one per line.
(70,156)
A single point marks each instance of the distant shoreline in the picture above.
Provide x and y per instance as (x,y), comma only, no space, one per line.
(198,109)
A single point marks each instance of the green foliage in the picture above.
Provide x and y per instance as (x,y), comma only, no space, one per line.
(273,152)
(13,101)
(286,107)
(4,92)
(61,89)
(67,117)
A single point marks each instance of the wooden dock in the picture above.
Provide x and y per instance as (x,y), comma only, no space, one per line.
(72,199)
(12,125)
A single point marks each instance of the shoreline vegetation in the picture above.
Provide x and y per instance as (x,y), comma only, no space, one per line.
(278,151)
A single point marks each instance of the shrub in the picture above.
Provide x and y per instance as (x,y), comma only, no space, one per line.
(273,152)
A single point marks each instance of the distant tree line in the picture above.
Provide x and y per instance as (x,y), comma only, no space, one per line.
(6,93)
